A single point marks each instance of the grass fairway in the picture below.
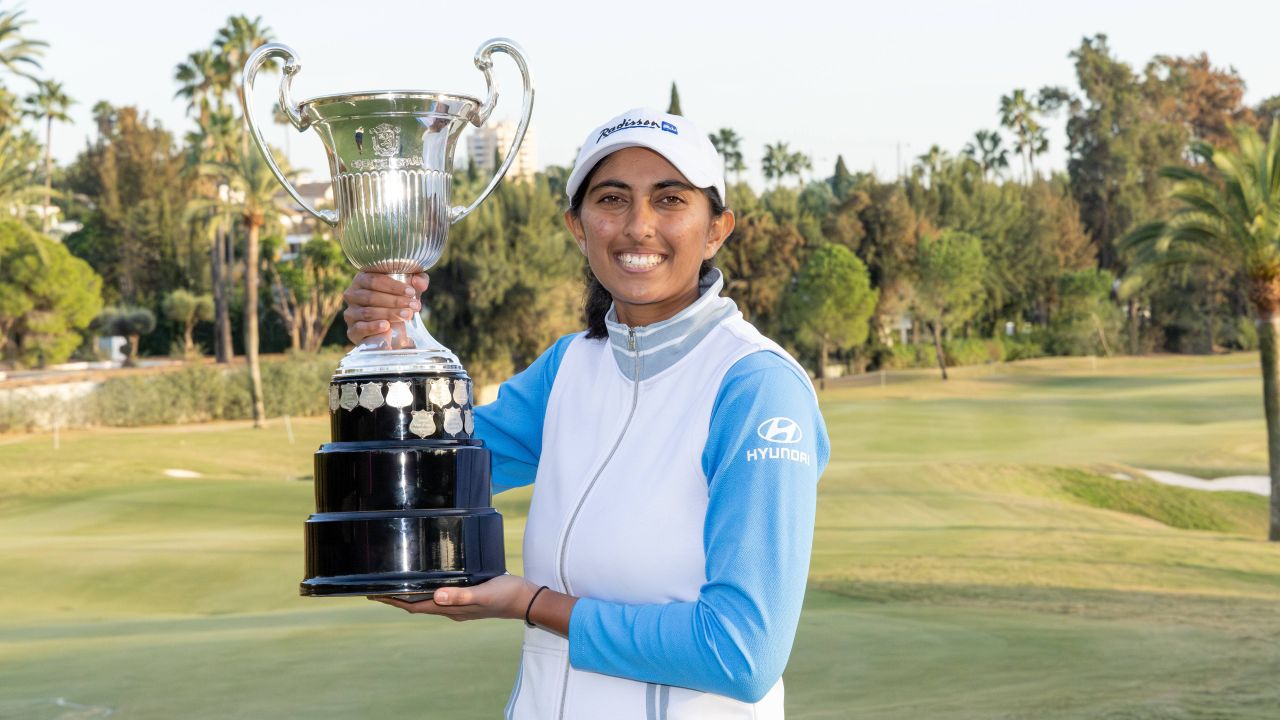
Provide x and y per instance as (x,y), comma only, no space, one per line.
(973,559)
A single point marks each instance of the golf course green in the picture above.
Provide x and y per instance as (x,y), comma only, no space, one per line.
(977,555)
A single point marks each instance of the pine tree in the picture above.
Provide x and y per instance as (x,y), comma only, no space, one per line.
(674,107)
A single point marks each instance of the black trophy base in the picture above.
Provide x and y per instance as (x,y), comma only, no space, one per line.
(411,586)
(404,552)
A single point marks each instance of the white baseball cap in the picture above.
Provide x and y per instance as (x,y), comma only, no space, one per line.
(671,136)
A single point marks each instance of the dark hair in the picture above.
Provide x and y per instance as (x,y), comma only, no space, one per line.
(596,300)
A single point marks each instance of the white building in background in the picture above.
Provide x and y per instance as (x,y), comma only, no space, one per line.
(486,141)
(299,225)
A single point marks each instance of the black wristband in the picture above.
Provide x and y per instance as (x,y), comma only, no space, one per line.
(526,610)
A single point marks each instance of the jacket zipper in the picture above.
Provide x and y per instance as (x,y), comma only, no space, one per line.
(564,539)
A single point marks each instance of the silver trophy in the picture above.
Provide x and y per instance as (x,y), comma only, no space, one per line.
(391,164)
(403,495)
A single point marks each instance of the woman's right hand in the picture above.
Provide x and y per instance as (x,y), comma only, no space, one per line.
(375,300)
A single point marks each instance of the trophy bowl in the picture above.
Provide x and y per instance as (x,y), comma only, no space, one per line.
(403,491)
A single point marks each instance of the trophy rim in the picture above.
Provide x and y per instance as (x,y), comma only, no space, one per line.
(364,95)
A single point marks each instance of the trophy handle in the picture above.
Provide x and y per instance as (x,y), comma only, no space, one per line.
(484,61)
(291,68)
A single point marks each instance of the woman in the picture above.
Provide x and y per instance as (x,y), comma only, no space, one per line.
(676,453)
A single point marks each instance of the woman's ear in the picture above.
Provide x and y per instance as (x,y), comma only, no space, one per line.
(721,229)
(574,224)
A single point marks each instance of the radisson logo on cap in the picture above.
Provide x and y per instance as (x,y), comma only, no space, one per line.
(629,124)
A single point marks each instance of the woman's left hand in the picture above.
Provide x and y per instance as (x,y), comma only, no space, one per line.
(506,596)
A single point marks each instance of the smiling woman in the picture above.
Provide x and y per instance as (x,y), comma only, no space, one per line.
(674,453)
(662,232)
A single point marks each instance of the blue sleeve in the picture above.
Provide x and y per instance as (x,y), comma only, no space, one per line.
(511,426)
(766,449)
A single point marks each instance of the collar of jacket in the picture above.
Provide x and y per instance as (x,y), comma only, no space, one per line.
(661,345)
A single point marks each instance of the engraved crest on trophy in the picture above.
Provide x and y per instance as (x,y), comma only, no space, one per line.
(402,494)
(386,140)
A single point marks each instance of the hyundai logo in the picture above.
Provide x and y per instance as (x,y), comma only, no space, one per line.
(780,430)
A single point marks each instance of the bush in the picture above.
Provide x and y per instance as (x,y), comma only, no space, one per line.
(297,386)
(17,412)
(1023,347)
(189,395)
(963,351)
(909,355)
(972,351)
(1241,334)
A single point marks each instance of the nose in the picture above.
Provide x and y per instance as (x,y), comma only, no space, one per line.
(641,221)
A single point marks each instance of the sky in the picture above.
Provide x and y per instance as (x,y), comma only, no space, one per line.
(875,82)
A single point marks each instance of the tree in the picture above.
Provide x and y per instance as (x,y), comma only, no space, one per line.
(729,145)
(1266,113)
(673,107)
(131,323)
(48,298)
(18,52)
(47,104)
(988,151)
(1018,113)
(1086,321)
(831,303)
(255,188)
(19,150)
(930,164)
(186,309)
(204,80)
(1046,242)
(949,272)
(104,119)
(1208,101)
(774,164)
(509,282)
(842,181)
(780,163)
(1116,141)
(235,41)
(306,292)
(1228,215)
(798,164)
(199,79)
(136,233)
(759,259)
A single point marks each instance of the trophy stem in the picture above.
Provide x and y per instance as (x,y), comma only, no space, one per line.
(400,337)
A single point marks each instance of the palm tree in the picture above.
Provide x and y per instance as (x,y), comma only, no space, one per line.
(16,50)
(798,164)
(198,79)
(253,191)
(235,41)
(1229,216)
(17,153)
(48,103)
(1018,113)
(988,151)
(775,162)
(104,117)
(729,145)
(931,162)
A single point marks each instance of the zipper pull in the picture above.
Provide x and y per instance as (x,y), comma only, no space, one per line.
(631,338)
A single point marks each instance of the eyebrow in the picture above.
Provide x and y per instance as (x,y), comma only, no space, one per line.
(660,185)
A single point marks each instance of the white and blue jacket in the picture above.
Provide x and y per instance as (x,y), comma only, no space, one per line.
(675,470)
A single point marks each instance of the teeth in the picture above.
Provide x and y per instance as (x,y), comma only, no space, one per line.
(639,262)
